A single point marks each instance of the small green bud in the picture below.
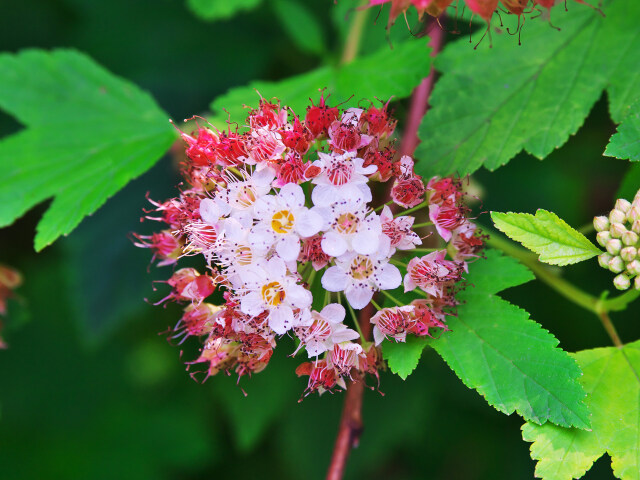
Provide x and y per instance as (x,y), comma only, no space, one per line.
(616,265)
(629,238)
(628,254)
(621,282)
(604,259)
(601,223)
(636,226)
(617,230)
(623,205)
(633,268)
(617,216)
(613,246)
(603,237)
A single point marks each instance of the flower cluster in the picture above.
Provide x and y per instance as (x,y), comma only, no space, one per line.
(483,8)
(619,234)
(283,208)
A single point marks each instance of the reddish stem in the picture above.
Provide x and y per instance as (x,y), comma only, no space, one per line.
(351,422)
(421,94)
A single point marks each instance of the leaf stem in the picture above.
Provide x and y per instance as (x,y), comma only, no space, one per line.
(424,224)
(354,37)
(599,306)
(417,207)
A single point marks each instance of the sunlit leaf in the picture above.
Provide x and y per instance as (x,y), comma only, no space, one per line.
(613,396)
(547,235)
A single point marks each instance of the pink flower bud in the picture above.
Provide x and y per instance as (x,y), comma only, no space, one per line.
(613,246)
(617,229)
(636,283)
(633,214)
(636,226)
(601,223)
(616,265)
(617,216)
(623,205)
(621,282)
(633,268)
(629,238)
(603,237)
(628,254)
(604,260)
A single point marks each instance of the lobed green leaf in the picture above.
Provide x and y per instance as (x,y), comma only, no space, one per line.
(508,358)
(547,235)
(405,66)
(625,143)
(403,358)
(493,102)
(611,379)
(87,134)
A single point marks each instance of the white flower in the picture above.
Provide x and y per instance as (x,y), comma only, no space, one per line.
(325,329)
(342,177)
(268,287)
(399,230)
(348,228)
(239,196)
(282,220)
(361,275)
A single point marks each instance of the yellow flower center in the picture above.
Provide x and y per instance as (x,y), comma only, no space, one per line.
(347,223)
(273,294)
(361,267)
(282,221)
(246,196)
(243,255)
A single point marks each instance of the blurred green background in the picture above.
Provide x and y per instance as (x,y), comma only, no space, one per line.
(89,390)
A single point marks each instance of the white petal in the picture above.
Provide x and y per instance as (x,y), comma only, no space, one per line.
(315,348)
(324,195)
(334,313)
(365,192)
(308,222)
(344,335)
(281,319)
(298,296)
(292,195)
(288,247)
(276,268)
(263,178)
(378,336)
(334,279)
(210,211)
(261,237)
(359,295)
(233,230)
(264,207)
(365,242)
(252,304)
(333,244)
(388,277)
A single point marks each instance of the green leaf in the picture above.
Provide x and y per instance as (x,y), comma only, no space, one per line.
(625,143)
(613,387)
(547,235)
(404,66)
(301,25)
(403,358)
(212,10)
(87,134)
(491,103)
(509,359)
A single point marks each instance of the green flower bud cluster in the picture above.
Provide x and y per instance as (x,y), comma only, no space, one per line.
(619,234)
